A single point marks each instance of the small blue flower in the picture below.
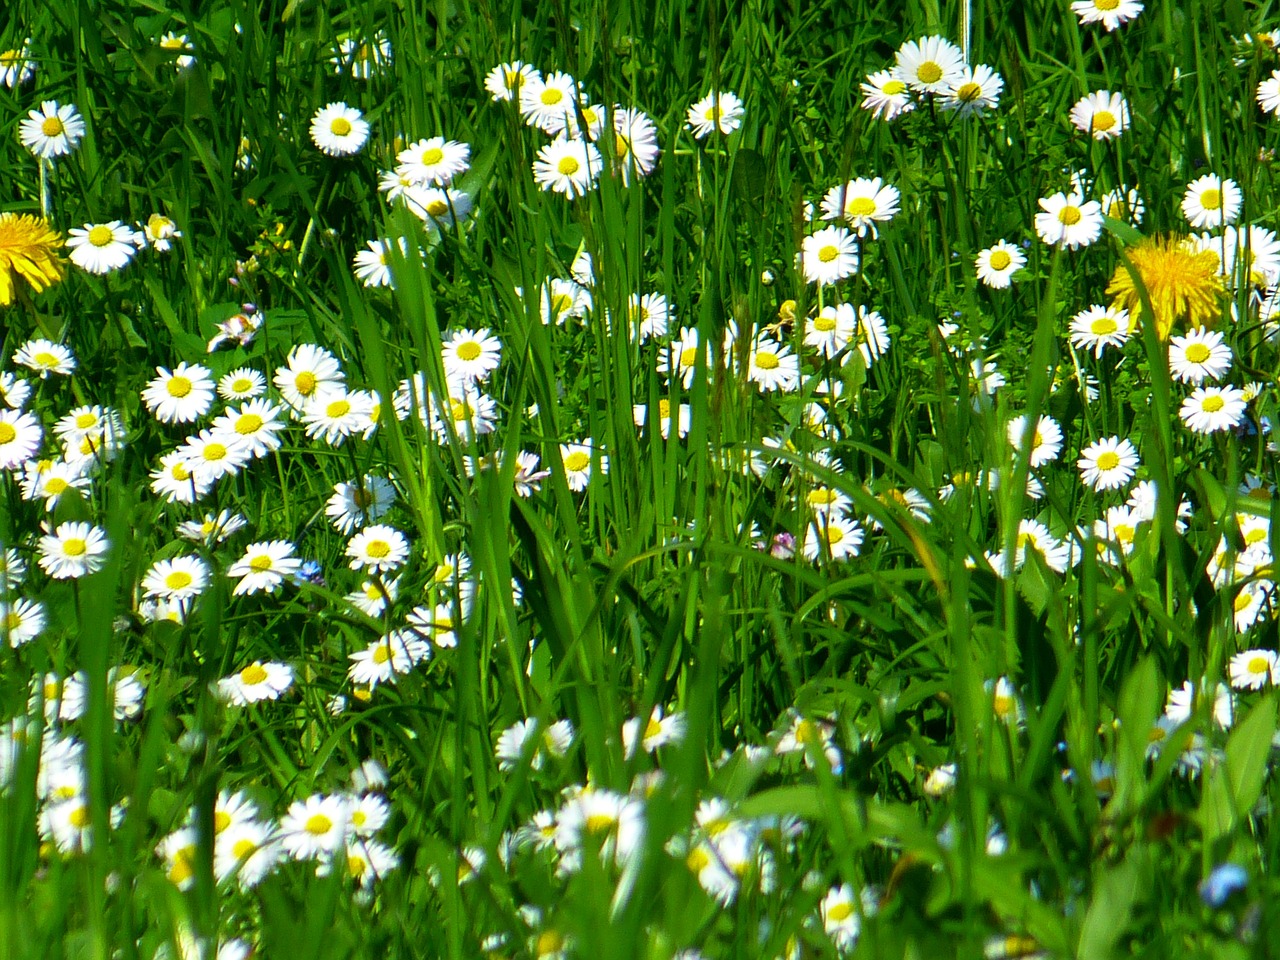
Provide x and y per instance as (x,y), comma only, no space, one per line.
(1224,880)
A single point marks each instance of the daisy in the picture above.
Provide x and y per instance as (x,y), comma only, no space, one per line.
(437,624)
(650,313)
(243,383)
(179,578)
(467,415)
(16,67)
(211,456)
(1254,669)
(470,356)
(378,549)
(395,653)
(829,255)
(1108,463)
(562,299)
(362,60)
(577,459)
(997,264)
(1211,202)
(339,130)
(48,481)
(1033,535)
(1200,355)
(180,43)
(715,113)
(658,731)
(680,358)
(930,65)
(506,81)
(314,828)
(635,143)
(435,161)
(1069,221)
(373,596)
(337,415)
(1045,440)
(1269,93)
(546,103)
(20,436)
(832,329)
(872,336)
(1250,604)
(176,481)
(830,535)
(1211,409)
(570,167)
(21,621)
(977,89)
(772,366)
(51,131)
(861,204)
(841,914)
(1102,114)
(213,528)
(886,96)
(102,247)
(683,417)
(264,566)
(1187,699)
(1110,13)
(181,396)
(372,267)
(1098,328)
(437,207)
(15,391)
(46,357)
(359,502)
(257,682)
(1124,204)
(73,550)
(309,372)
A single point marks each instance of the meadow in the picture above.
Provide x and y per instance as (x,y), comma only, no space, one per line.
(610,479)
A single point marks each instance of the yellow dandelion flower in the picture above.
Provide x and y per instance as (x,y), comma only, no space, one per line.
(28,247)
(1181,283)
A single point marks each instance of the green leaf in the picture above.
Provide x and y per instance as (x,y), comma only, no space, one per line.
(1234,787)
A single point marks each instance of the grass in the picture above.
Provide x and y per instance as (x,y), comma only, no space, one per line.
(664,583)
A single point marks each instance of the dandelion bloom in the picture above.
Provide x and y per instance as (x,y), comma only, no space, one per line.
(28,248)
(1180,284)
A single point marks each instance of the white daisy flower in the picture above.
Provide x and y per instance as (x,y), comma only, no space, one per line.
(51,131)
(182,395)
(829,255)
(434,161)
(314,828)
(264,566)
(257,682)
(930,65)
(102,247)
(861,203)
(506,81)
(1045,439)
(1069,221)
(73,550)
(1212,409)
(1108,463)
(548,102)
(378,549)
(1211,202)
(569,167)
(339,130)
(997,264)
(45,357)
(1201,354)
(715,113)
(886,96)
(1102,114)
(578,461)
(977,89)
(1254,669)
(1110,13)
(1099,327)
(20,438)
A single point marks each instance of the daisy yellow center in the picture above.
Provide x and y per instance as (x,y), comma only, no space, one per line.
(1211,199)
(318,825)
(713,113)
(55,486)
(340,126)
(356,866)
(600,822)
(698,860)
(969,92)
(1000,260)
(652,728)
(10,58)
(1003,706)
(834,534)
(378,549)
(824,324)
(381,653)
(840,912)
(178,580)
(468,351)
(689,356)
(577,461)
(79,818)
(13,621)
(1069,216)
(766,360)
(179,472)
(253,675)
(568,166)
(7,433)
(894,88)
(248,423)
(1104,120)
(74,547)
(823,496)
(513,79)
(1106,5)
(1212,404)
(664,408)
(560,302)
(461,411)
(589,115)
(260,563)
(433,156)
(52,127)
(339,408)
(1255,664)
(620,145)
(828,253)
(178,387)
(305,382)
(86,420)
(215,452)
(1124,533)
(549,941)
(551,96)
(437,208)
(359,818)
(1256,535)
(1103,327)
(244,848)
(929,72)
(860,207)
(1108,461)
(221,820)
(1197,353)
(100,235)
(243,385)
(45,359)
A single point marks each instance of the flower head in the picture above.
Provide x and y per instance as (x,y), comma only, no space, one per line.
(1180,283)
(51,131)
(28,248)
(339,130)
